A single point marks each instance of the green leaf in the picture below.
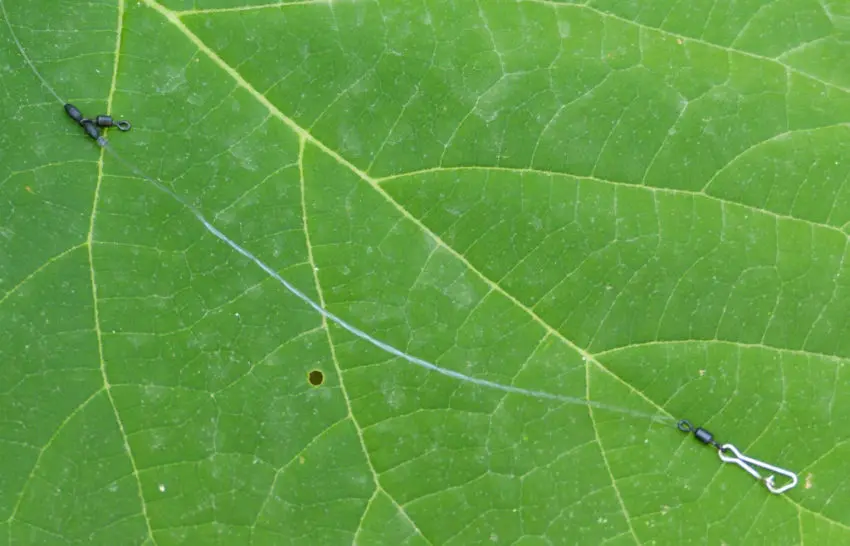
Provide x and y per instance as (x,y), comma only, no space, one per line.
(643,204)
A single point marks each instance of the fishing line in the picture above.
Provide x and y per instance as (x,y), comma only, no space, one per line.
(91,129)
(728,453)
(342,323)
(24,54)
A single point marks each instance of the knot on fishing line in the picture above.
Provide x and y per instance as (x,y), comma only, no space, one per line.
(92,126)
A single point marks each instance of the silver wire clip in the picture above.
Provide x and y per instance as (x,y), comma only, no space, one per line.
(747,463)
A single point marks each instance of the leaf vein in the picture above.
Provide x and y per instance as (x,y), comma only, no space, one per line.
(378,487)
(97,326)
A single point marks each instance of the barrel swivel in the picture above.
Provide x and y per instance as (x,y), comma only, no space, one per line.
(91,126)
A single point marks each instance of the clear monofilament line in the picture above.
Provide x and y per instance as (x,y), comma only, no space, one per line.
(511,389)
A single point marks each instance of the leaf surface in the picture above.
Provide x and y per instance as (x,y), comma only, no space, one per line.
(640,204)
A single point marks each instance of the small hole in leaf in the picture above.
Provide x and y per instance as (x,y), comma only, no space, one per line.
(316,378)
